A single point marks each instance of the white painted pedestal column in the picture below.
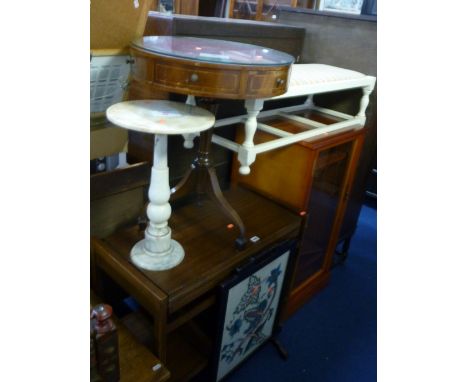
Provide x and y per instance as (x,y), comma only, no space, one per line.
(157,251)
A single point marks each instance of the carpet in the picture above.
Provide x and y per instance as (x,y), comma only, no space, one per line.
(333,338)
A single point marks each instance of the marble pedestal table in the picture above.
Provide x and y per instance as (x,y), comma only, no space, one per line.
(157,251)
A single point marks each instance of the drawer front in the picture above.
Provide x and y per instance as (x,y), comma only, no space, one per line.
(197,79)
(206,79)
(266,83)
(142,69)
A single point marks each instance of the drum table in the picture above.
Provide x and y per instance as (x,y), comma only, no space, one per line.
(211,69)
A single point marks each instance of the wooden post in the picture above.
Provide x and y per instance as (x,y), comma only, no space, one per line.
(231,8)
(186,7)
(258,15)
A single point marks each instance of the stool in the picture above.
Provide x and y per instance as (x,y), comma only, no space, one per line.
(157,251)
(305,80)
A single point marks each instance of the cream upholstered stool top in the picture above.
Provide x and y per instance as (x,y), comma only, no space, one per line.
(308,79)
(157,251)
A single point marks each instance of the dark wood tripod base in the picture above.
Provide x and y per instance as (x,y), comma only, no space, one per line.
(202,178)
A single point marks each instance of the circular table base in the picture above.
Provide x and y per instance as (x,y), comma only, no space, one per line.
(156,262)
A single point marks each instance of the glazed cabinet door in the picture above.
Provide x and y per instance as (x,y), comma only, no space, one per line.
(329,178)
(260,10)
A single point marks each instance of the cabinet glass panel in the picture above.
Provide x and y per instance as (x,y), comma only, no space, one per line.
(328,181)
(264,10)
(210,50)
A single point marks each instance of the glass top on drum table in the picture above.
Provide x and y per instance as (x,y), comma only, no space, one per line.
(214,51)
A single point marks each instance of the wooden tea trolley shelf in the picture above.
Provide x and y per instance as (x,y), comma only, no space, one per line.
(175,296)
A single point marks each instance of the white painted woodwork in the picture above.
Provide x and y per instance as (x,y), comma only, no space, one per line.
(305,80)
(158,251)
(365,101)
(267,113)
(274,130)
(253,107)
(305,135)
(333,113)
(189,137)
(310,100)
(305,121)
(233,146)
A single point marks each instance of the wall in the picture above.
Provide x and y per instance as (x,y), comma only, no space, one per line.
(339,41)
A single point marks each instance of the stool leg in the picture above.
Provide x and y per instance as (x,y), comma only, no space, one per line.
(188,138)
(366,91)
(246,156)
(157,251)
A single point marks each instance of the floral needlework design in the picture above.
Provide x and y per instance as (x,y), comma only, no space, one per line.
(255,308)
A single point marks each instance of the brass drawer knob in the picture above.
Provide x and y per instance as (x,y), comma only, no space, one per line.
(194,77)
(279,82)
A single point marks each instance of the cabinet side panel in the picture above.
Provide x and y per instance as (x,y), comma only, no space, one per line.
(279,174)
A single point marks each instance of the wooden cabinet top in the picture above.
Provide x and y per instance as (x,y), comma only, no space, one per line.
(210,255)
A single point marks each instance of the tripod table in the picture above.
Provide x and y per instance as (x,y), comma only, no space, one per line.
(214,69)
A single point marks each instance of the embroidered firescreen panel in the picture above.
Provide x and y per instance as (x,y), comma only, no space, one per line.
(250,313)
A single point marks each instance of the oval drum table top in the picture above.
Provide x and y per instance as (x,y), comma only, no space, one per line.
(214,51)
(211,68)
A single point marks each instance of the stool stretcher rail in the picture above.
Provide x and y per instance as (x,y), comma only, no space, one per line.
(306,80)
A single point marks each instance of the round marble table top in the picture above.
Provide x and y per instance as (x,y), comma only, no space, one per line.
(160,117)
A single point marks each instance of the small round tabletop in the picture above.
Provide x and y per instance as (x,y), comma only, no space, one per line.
(160,117)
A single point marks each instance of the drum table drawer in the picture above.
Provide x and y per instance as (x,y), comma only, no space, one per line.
(208,79)
(199,80)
